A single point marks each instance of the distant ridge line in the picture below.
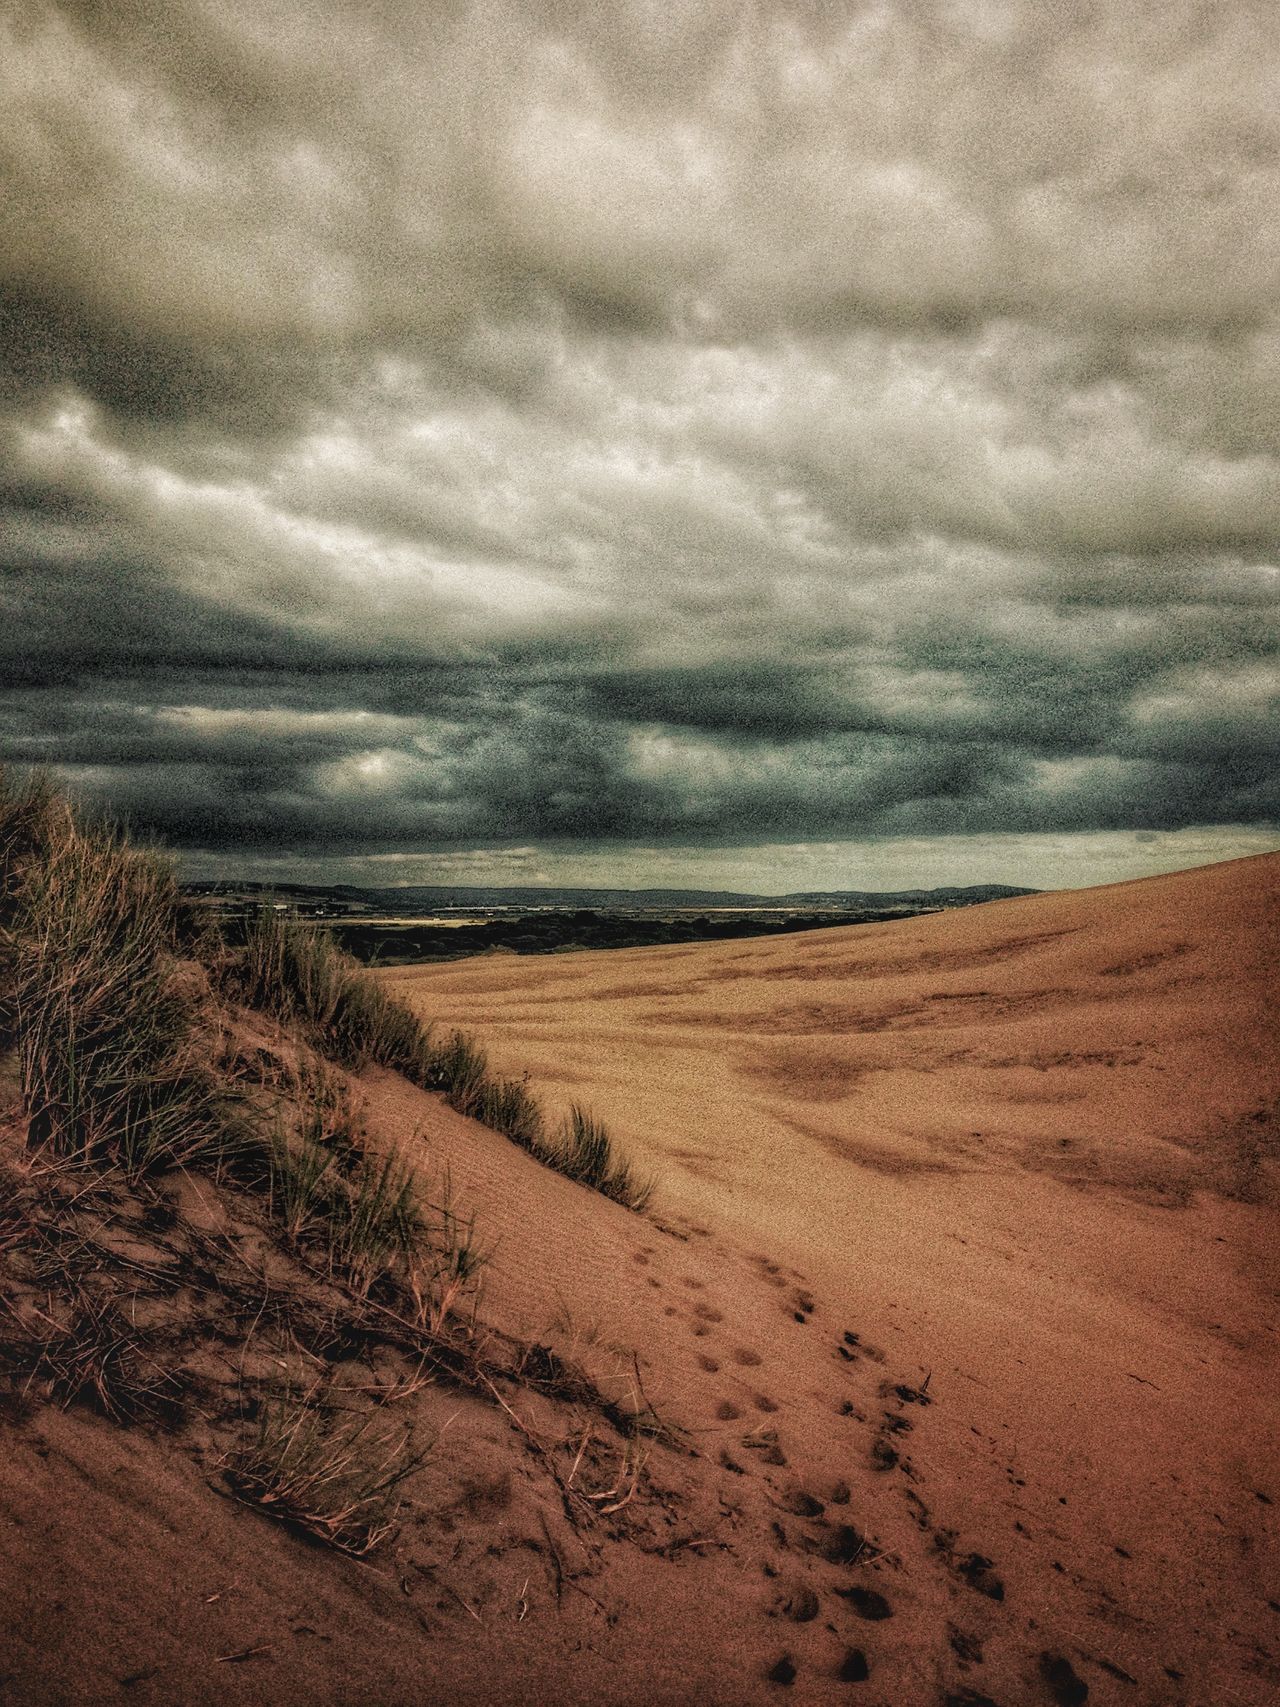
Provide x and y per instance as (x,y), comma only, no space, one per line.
(546,895)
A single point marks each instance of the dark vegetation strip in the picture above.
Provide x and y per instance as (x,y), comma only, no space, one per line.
(559,933)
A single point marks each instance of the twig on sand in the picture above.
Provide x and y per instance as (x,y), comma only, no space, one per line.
(449,1589)
(585,1438)
(586,1594)
(555,1558)
(244,1654)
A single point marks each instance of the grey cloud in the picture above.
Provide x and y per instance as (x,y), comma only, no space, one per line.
(482,425)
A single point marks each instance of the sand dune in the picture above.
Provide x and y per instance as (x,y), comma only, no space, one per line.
(958,1291)
(1030,1150)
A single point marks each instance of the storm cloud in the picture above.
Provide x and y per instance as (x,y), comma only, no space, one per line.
(582,439)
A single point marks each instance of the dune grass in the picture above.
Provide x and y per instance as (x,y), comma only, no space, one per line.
(127,1060)
(296,972)
(460,1071)
(367,1222)
(583,1150)
(110,1056)
(28,807)
(449,1263)
(379,1226)
(332,1474)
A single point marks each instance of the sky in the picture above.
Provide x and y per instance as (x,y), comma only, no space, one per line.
(764,446)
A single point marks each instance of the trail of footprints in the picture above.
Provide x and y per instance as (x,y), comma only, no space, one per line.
(835,1542)
(829,1537)
(838,1543)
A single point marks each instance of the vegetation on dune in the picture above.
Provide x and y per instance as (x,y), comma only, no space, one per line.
(111,1059)
(330,1473)
(137,1063)
(114,1059)
(296,972)
(582,1149)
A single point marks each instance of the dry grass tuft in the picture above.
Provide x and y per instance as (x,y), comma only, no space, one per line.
(297,973)
(583,1150)
(110,1058)
(447,1269)
(332,1474)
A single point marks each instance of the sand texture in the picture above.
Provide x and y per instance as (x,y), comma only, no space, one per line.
(958,1291)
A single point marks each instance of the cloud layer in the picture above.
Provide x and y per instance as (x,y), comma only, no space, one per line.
(460,428)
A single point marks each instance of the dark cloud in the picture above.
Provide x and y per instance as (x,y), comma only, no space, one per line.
(496,426)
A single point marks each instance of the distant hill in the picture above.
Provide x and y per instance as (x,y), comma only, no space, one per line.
(430,897)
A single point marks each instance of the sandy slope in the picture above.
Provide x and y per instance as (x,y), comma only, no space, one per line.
(960,1283)
(1031,1150)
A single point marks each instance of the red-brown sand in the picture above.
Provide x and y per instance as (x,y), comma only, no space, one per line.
(961,1279)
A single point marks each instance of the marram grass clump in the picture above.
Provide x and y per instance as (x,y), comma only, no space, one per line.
(583,1150)
(110,1054)
(114,1058)
(296,972)
(333,1474)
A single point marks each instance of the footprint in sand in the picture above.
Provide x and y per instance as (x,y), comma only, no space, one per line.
(708,1363)
(966,1647)
(763,1402)
(975,1569)
(1065,1684)
(708,1313)
(800,1604)
(727,1411)
(765,1442)
(746,1357)
(854,1667)
(867,1603)
(845,1546)
(803,1305)
(801,1504)
(883,1456)
(852,1346)
(782,1671)
(907,1394)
